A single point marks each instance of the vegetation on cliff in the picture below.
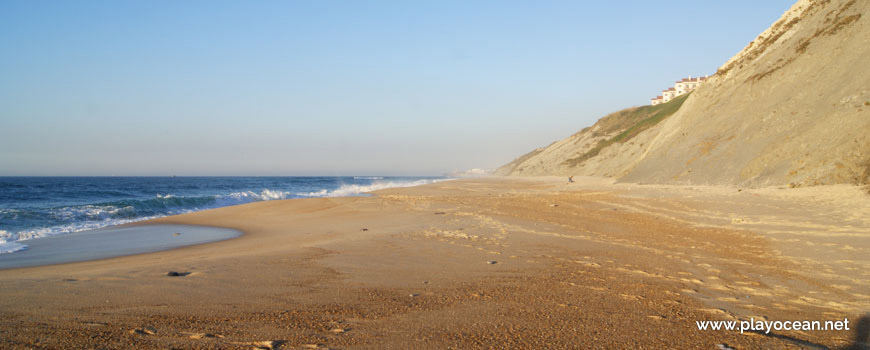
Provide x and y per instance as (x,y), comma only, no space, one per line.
(631,121)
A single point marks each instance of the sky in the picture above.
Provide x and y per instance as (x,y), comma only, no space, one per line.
(335,87)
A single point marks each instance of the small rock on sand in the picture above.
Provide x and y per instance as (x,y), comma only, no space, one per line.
(177,274)
(364,229)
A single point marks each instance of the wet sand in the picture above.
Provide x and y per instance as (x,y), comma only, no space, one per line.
(493,263)
(112,242)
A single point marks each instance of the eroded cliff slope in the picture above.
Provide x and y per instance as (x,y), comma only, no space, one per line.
(793,107)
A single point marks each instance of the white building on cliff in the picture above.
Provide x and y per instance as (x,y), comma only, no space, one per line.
(680,88)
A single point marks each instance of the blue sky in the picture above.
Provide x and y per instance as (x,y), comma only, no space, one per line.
(335,87)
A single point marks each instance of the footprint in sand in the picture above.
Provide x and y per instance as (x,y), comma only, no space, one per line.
(143,331)
(268,344)
(264,344)
(785,307)
(587,263)
(630,297)
(201,335)
(720,312)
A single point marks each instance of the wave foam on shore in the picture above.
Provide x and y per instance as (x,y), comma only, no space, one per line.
(79,218)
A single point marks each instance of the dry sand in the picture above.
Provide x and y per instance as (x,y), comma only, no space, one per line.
(531,263)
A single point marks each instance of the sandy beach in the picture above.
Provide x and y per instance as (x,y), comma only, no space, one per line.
(489,263)
(435,175)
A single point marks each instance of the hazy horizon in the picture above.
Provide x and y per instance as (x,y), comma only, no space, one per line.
(375,176)
(315,88)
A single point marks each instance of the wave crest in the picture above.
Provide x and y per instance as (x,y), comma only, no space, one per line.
(357,189)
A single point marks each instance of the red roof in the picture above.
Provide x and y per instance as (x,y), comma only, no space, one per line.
(690,80)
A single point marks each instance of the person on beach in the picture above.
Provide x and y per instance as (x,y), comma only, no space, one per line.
(571,179)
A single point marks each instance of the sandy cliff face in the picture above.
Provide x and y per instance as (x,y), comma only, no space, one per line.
(793,107)
(590,151)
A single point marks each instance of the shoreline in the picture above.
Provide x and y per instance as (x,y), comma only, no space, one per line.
(344,190)
(472,263)
(113,242)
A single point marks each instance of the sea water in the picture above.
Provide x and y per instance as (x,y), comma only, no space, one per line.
(36,207)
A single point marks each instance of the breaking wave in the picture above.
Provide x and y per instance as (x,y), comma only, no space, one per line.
(9,247)
(356,189)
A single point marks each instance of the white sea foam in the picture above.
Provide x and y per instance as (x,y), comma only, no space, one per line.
(250,196)
(354,189)
(10,238)
(99,216)
(91,211)
(9,247)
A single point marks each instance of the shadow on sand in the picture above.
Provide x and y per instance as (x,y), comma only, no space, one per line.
(862,335)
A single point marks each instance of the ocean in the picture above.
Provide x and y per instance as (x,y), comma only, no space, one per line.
(34,207)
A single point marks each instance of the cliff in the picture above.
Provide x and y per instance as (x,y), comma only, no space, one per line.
(793,107)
